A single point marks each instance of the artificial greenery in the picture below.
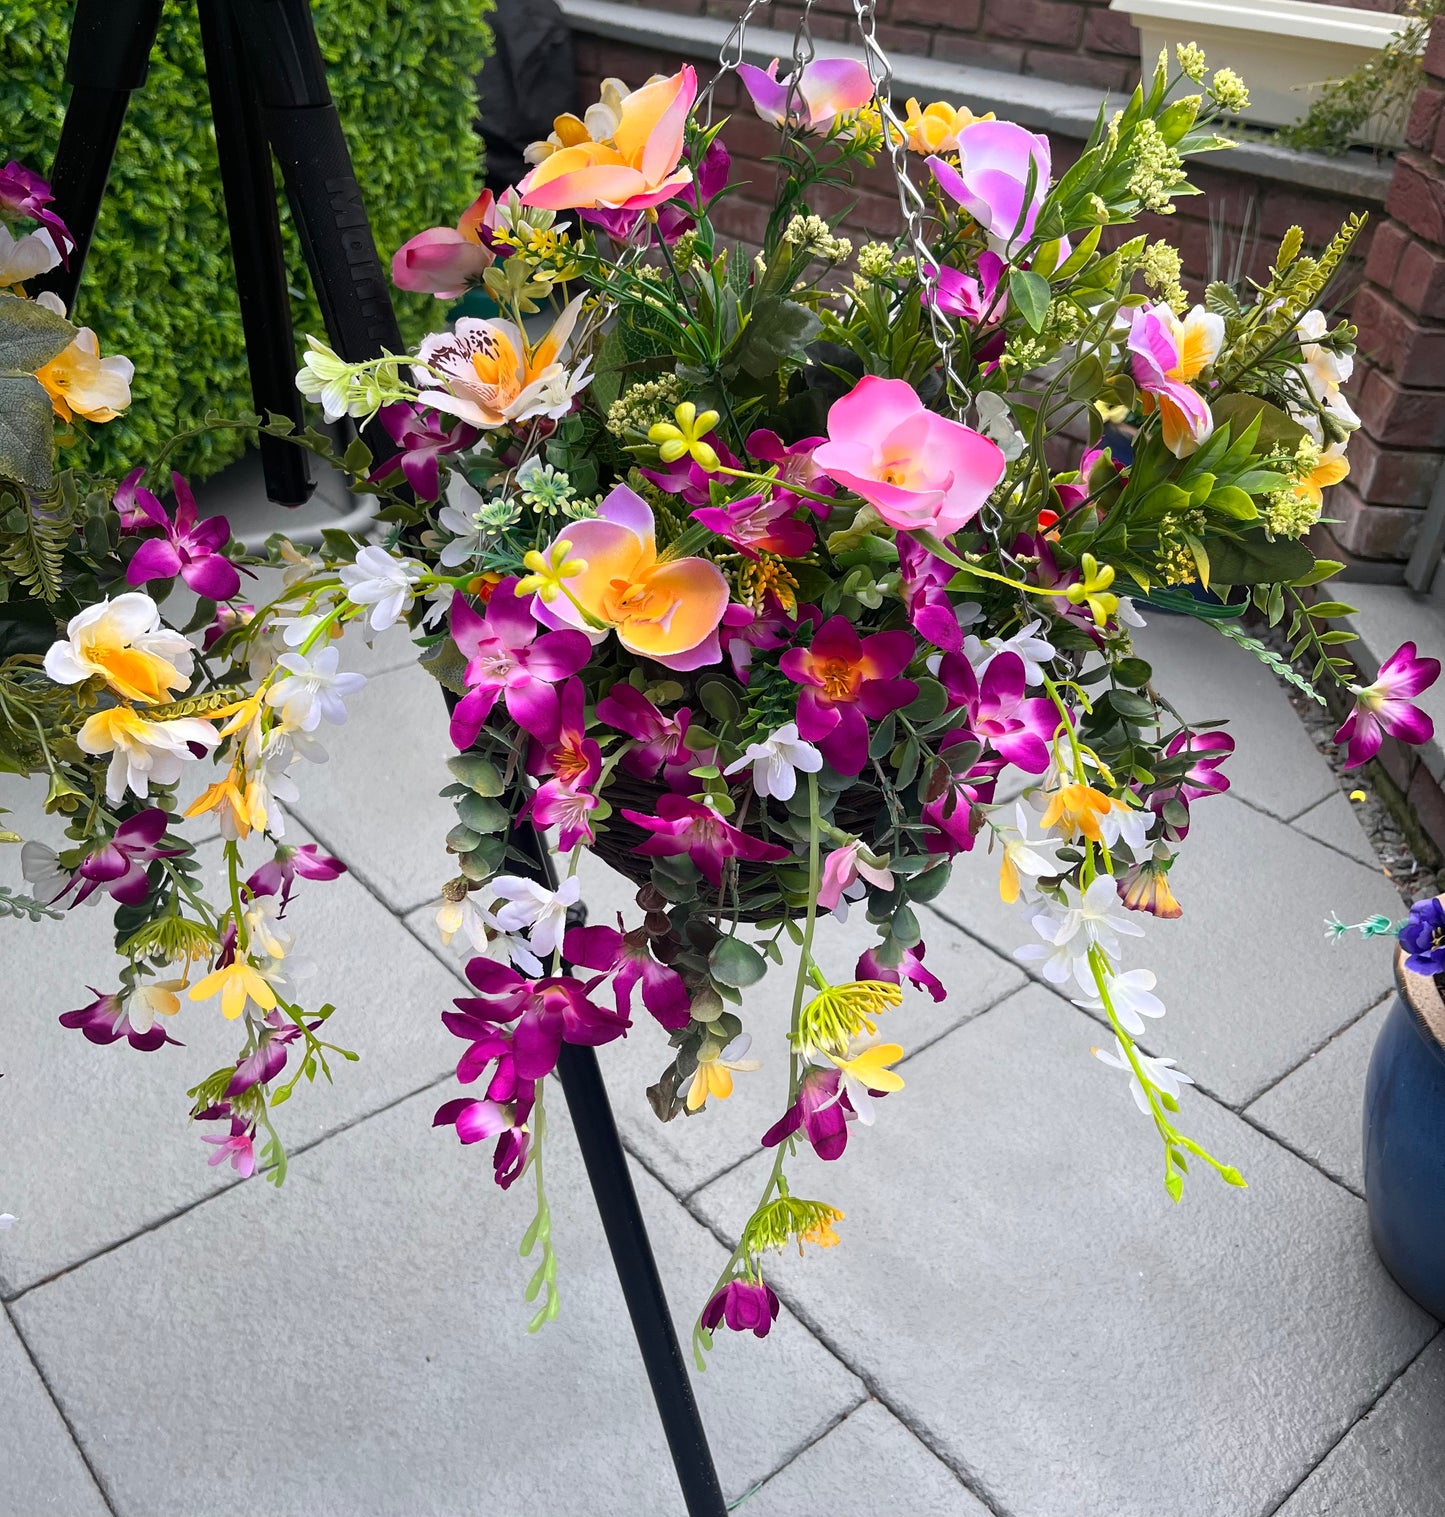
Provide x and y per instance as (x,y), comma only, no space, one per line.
(158,285)
(1378,92)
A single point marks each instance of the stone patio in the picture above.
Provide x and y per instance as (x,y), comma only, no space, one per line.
(1018,1321)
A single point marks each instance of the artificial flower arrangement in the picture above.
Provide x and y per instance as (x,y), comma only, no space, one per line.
(754,573)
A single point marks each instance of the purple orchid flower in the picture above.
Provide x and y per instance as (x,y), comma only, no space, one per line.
(971,298)
(709,178)
(795,466)
(686,826)
(745,632)
(1423,938)
(280,872)
(567,800)
(910,968)
(24,193)
(999,715)
(186,547)
(1206,752)
(238,1146)
(487,1044)
(991,182)
(923,581)
(821,1111)
(424,435)
(508,659)
(105,1021)
(567,808)
(754,525)
(951,815)
(120,866)
(627,958)
(229,615)
(744,1306)
(847,682)
(477,1120)
(268,1058)
(1385,707)
(548,1013)
(659,742)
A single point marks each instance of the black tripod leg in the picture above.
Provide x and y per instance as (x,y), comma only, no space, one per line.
(256,250)
(626,1231)
(110,49)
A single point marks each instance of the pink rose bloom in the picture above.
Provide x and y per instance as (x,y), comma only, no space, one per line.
(918,470)
(992,178)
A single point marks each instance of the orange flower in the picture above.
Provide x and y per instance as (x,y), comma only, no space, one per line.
(1145,887)
(80,382)
(1077,808)
(1330,470)
(634,169)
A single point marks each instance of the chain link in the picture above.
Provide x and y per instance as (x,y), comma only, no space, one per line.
(803,55)
(729,55)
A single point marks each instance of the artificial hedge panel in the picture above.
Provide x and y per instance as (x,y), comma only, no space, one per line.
(158,282)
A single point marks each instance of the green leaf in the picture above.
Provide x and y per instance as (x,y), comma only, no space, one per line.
(1325,568)
(1031,295)
(733,962)
(30,335)
(776,330)
(1132,707)
(1275,428)
(476,773)
(27,431)
(1132,673)
(720,701)
(1253,559)
(482,814)
(929,704)
(1232,501)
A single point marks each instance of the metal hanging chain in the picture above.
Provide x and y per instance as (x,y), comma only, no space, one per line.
(730,54)
(803,55)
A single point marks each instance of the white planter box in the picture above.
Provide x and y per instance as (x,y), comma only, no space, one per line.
(1284,50)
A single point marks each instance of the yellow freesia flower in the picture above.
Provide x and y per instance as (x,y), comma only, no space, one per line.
(237,983)
(685,436)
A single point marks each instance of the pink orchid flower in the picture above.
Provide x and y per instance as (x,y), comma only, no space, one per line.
(971,298)
(445,261)
(1166,354)
(910,968)
(237,1146)
(503,1117)
(847,682)
(186,547)
(842,872)
(743,1306)
(826,89)
(548,1013)
(120,866)
(753,525)
(999,716)
(991,182)
(951,815)
(923,583)
(822,1111)
(687,478)
(795,464)
(1385,706)
(918,470)
(658,741)
(627,958)
(280,872)
(508,659)
(24,193)
(565,751)
(744,632)
(487,1045)
(683,825)
(1206,751)
(105,1020)
(423,437)
(567,808)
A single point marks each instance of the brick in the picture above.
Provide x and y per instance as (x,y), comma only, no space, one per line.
(905,39)
(1411,350)
(1383,476)
(1317,216)
(1075,68)
(1424,116)
(1111,32)
(745,220)
(1419,283)
(1384,257)
(963,15)
(1054,22)
(1427,804)
(1417,197)
(982,54)
(1396,415)
(1434,60)
(1368,531)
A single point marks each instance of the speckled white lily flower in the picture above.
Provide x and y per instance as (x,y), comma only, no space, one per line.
(1159,1072)
(312,690)
(775,761)
(1131,995)
(384,583)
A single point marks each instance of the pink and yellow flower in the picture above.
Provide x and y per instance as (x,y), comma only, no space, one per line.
(918,470)
(636,168)
(826,89)
(443,260)
(665,609)
(1167,354)
(80,382)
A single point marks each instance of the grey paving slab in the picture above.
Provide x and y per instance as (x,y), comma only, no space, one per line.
(1206,677)
(1013,1275)
(1251,986)
(376,802)
(1317,1109)
(40,1467)
(1333,821)
(870,1465)
(1392,1462)
(383,1290)
(95,1141)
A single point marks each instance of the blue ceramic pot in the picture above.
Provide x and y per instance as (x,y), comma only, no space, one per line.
(1405,1140)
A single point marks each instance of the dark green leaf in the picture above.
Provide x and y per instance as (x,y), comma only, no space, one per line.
(1031,295)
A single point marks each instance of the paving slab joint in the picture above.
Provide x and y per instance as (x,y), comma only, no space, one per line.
(796,1453)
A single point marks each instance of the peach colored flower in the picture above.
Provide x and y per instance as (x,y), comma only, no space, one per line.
(444,261)
(636,168)
(80,382)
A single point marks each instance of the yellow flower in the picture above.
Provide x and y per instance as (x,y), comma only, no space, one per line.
(124,642)
(821,1233)
(1145,887)
(838,1013)
(1092,589)
(686,437)
(80,382)
(237,983)
(238,803)
(714,1073)
(1077,808)
(549,570)
(935,127)
(1330,470)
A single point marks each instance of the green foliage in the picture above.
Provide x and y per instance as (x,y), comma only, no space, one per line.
(158,284)
(1381,88)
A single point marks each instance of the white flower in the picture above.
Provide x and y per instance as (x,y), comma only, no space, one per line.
(40,866)
(142,752)
(1033,650)
(1127,823)
(1069,931)
(1126,614)
(1159,1072)
(775,759)
(1132,997)
(556,390)
(265,934)
(151,999)
(328,378)
(1324,370)
(534,909)
(439,603)
(7,1221)
(384,583)
(462,517)
(22,258)
(464,917)
(312,689)
(1023,858)
(124,642)
(296,629)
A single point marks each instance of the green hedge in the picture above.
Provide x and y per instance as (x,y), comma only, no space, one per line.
(158,283)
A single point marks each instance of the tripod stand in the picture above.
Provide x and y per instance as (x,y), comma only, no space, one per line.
(268,92)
